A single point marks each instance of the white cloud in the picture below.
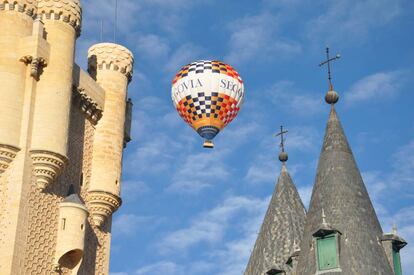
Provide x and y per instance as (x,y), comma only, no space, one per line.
(210,227)
(287,96)
(398,181)
(129,224)
(133,189)
(378,86)
(346,21)
(198,171)
(262,170)
(152,46)
(165,267)
(181,56)
(256,37)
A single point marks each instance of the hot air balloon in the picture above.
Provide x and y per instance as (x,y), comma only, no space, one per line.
(208,96)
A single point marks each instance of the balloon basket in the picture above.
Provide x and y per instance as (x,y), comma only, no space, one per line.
(208,144)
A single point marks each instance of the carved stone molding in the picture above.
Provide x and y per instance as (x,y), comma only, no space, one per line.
(101,205)
(109,56)
(24,6)
(46,166)
(87,105)
(7,154)
(36,65)
(68,11)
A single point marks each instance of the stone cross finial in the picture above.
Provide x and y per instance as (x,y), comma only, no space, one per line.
(283,157)
(328,61)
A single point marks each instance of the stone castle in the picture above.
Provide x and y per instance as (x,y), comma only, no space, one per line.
(62,136)
(339,234)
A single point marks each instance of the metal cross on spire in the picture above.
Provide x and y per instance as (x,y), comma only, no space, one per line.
(282,138)
(328,61)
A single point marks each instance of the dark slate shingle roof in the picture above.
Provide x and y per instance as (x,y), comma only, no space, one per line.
(282,226)
(340,191)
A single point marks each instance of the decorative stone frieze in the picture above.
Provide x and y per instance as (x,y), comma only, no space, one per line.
(109,56)
(87,105)
(7,154)
(101,205)
(46,166)
(24,6)
(69,11)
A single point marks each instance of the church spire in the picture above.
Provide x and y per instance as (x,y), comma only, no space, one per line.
(353,245)
(280,234)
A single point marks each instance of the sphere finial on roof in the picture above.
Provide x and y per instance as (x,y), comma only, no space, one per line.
(331,97)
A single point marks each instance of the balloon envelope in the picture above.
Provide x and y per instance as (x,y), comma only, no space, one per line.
(208,96)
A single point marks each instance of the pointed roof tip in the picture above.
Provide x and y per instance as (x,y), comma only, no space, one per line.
(286,213)
(284,168)
(335,139)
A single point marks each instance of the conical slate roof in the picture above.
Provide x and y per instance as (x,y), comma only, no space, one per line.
(282,228)
(340,191)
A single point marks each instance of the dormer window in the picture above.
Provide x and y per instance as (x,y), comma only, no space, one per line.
(327,252)
(326,242)
(392,244)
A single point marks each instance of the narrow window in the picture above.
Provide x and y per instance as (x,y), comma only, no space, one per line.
(81,180)
(397,261)
(327,252)
(63,223)
(82,226)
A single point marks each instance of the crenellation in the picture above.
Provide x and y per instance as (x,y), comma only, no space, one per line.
(109,56)
(68,11)
(27,7)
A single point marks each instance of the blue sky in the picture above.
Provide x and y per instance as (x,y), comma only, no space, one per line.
(191,210)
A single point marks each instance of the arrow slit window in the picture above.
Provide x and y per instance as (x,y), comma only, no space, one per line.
(327,252)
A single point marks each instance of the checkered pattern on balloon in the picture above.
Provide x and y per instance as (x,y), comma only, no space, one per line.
(208,109)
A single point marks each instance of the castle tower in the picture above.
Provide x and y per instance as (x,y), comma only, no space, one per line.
(49,144)
(18,17)
(342,233)
(111,65)
(52,136)
(276,247)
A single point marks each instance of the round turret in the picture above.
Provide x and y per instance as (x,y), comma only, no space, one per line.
(109,56)
(62,21)
(16,21)
(71,233)
(111,65)
(69,11)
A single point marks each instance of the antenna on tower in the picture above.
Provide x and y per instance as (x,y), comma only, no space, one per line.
(101,34)
(115,19)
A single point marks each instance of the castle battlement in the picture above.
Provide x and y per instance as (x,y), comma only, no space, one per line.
(110,56)
(68,11)
(24,6)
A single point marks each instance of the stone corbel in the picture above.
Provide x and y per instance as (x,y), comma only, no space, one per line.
(34,50)
(36,65)
(87,105)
